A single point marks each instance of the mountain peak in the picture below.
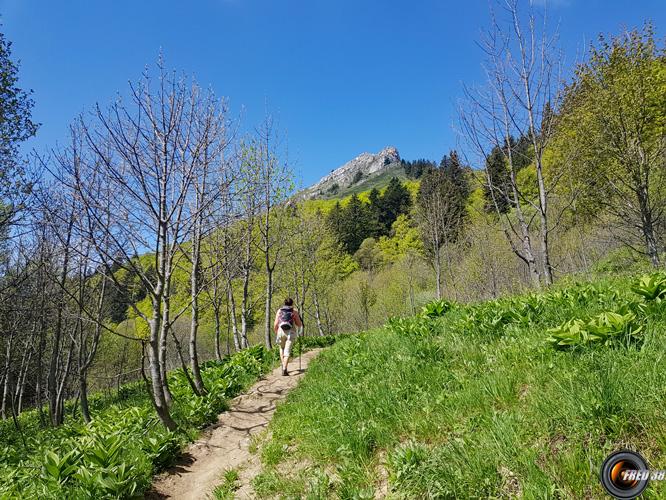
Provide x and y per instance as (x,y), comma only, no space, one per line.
(352,172)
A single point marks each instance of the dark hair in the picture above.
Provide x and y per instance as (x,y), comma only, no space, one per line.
(288,302)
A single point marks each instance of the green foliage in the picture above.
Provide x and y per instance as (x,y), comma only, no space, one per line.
(437,308)
(416,168)
(357,221)
(483,410)
(441,204)
(606,328)
(118,452)
(16,126)
(651,287)
(610,130)
(411,327)
(229,485)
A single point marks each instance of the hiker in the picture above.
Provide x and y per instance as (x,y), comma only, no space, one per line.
(286,319)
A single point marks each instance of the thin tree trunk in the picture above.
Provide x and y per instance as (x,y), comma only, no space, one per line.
(163,338)
(22,384)
(269,303)
(437,262)
(527,255)
(183,364)
(216,312)
(83,393)
(233,319)
(244,302)
(647,226)
(7,378)
(59,414)
(194,322)
(51,382)
(315,299)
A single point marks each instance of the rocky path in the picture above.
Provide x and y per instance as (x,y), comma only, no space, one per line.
(225,445)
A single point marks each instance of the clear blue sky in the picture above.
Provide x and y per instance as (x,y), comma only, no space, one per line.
(343,76)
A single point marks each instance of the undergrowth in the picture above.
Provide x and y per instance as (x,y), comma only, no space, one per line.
(497,399)
(116,454)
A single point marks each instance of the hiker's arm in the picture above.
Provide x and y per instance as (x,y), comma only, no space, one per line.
(275,323)
(297,319)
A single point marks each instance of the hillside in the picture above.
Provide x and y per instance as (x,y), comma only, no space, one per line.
(360,174)
(499,399)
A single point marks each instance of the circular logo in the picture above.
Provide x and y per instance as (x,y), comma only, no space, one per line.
(624,474)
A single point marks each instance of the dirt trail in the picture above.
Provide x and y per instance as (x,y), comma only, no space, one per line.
(225,445)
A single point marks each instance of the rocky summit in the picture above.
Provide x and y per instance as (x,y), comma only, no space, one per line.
(354,171)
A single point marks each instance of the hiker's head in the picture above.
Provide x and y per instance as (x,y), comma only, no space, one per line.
(288,302)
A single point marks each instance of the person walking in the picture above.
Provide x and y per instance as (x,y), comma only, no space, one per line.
(286,319)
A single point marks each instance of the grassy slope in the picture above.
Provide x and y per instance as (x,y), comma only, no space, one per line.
(469,410)
(374,181)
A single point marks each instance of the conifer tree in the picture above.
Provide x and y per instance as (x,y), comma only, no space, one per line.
(396,200)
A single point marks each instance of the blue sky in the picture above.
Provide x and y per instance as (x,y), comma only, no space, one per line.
(341,76)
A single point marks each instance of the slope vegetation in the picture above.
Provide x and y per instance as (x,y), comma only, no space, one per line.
(515,397)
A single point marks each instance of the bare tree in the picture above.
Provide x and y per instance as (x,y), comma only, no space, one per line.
(275,183)
(134,180)
(522,74)
(222,252)
(440,210)
(208,144)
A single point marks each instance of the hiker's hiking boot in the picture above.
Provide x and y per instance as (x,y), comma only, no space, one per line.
(285,373)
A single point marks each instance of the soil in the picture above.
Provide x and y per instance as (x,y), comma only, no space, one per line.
(225,445)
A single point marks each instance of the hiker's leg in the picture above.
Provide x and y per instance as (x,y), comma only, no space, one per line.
(287,351)
(283,349)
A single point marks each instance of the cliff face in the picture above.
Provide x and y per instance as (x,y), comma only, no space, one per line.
(361,167)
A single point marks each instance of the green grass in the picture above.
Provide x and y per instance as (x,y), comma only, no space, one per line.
(476,403)
(368,183)
(116,455)
(229,485)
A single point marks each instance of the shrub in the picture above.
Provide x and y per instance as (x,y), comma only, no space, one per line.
(652,287)
(606,328)
(437,308)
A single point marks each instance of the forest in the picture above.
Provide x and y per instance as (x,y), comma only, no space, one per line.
(142,261)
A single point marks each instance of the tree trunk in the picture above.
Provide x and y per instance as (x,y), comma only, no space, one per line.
(59,414)
(527,255)
(159,399)
(647,226)
(21,384)
(232,317)
(183,364)
(437,263)
(244,306)
(194,322)
(51,382)
(216,312)
(83,393)
(6,383)
(162,355)
(315,299)
(268,306)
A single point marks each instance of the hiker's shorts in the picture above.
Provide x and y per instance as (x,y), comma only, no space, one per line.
(285,339)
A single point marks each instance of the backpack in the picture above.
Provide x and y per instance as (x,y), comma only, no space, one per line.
(286,318)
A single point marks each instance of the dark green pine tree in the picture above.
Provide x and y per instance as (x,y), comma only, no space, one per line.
(454,170)
(522,152)
(376,208)
(395,201)
(497,182)
(356,222)
(334,221)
